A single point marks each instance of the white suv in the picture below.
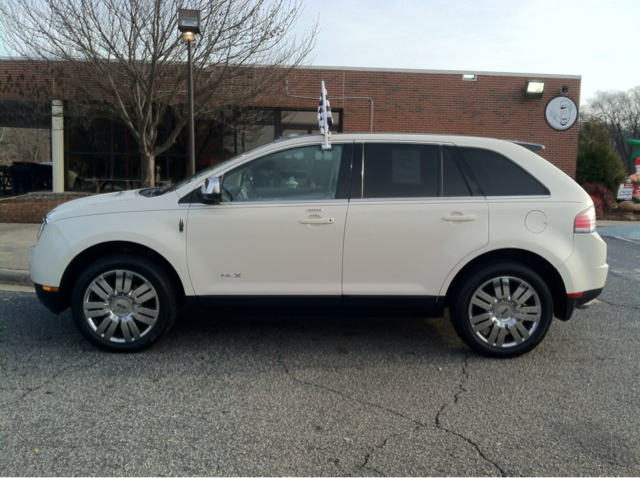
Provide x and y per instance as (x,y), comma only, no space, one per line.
(380,222)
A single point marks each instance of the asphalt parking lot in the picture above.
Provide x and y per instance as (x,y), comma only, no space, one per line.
(324,396)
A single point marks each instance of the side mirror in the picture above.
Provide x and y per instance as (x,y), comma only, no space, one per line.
(210,192)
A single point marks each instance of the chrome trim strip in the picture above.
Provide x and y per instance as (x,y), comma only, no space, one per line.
(511,198)
(474,199)
(331,202)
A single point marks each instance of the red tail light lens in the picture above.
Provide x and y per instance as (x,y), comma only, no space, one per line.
(585,222)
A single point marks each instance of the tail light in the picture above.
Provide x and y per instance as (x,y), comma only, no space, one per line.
(585,222)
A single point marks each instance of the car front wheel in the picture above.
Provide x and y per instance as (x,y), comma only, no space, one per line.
(123,303)
(502,310)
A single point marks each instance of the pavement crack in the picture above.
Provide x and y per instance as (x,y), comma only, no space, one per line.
(349,397)
(55,376)
(376,447)
(441,426)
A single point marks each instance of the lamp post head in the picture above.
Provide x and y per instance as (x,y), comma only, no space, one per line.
(188,22)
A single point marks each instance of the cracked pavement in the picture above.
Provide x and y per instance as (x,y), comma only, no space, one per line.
(324,396)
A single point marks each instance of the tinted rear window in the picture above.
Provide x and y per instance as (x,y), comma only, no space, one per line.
(400,170)
(499,176)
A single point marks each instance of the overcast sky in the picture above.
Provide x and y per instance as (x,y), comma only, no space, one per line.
(598,40)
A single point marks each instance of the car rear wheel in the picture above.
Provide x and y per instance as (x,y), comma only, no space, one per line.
(502,310)
(123,303)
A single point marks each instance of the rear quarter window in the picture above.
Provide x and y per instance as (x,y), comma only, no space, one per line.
(497,175)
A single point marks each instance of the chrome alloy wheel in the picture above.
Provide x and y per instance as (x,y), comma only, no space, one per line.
(121,306)
(504,312)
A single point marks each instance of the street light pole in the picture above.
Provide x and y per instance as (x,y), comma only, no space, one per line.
(192,139)
(189,25)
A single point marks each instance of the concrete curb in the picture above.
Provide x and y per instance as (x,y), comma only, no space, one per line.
(15,277)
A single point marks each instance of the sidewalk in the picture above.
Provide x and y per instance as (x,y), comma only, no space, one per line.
(15,240)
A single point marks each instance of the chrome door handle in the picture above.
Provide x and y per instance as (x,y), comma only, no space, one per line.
(460,218)
(318,220)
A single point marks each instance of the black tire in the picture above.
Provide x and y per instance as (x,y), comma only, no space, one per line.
(123,303)
(502,310)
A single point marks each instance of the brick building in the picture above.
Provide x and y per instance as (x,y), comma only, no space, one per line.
(362,99)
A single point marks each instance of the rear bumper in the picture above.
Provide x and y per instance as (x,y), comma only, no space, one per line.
(586,269)
(573,302)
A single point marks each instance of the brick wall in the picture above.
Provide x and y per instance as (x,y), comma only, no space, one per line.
(403,101)
(434,102)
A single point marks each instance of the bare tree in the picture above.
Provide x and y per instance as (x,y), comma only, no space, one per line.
(125,57)
(24,144)
(620,112)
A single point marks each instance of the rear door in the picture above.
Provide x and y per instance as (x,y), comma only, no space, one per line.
(412,217)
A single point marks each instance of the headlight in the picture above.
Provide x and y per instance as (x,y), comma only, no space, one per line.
(45,221)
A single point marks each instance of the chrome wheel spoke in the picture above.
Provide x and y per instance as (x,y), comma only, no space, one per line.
(522,330)
(133,328)
(529,313)
(483,325)
(111,329)
(494,334)
(482,321)
(102,283)
(126,333)
(141,290)
(103,325)
(90,314)
(523,294)
(126,286)
(95,309)
(149,295)
(501,288)
(480,318)
(483,300)
(515,333)
(501,336)
(144,318)
(99,291)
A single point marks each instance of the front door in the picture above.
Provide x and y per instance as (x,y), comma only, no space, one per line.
(279,229)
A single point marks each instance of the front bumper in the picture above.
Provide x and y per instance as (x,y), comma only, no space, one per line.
(51,300)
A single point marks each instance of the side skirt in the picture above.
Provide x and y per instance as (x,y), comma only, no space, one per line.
(421,306)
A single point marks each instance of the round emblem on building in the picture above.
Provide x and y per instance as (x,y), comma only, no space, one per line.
(561,113)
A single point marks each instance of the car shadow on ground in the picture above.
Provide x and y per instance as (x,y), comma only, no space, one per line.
(342,334)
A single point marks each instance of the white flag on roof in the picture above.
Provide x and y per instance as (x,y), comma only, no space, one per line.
(325,120)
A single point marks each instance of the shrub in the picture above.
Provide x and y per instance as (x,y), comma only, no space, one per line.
(597,204)
(597,161)
(601,196)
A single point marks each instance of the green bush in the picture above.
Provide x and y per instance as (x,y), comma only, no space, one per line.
(597,161)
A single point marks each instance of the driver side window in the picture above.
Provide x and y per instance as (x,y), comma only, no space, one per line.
(299,174)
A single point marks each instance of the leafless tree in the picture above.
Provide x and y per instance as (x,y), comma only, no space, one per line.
(24,144)
(620,112)
(125,57)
